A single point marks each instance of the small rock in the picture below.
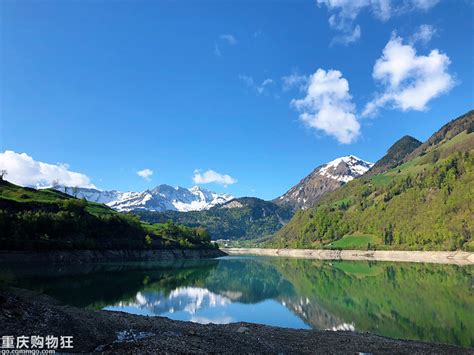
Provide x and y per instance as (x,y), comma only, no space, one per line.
(171,334)
(242,330)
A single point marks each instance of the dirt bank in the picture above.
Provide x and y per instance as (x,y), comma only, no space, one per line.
(438,257)
(24,313)
(87,256)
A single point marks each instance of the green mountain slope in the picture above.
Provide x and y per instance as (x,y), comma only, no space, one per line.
(425,203)
(240,218)
(445,133)
(395,155)
(49,219)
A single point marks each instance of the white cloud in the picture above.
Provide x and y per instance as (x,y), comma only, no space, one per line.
(295,80)
(230,39)
(343,13)
(347,37)
(211,176)
(425,4)
(145,173)
(423,34)
(409,80)
(25,171)
(328,106)
(259,88)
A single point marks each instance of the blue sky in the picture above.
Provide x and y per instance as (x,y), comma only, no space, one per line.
(113,88)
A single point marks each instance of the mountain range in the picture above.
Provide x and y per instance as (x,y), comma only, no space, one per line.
(417,196)
(250,218)
(225,217)
(418,183)
(161,198)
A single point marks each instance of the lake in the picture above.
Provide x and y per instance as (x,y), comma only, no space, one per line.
(427,302)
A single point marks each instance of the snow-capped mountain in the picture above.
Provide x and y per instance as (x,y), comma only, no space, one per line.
(345,169)
(323,179)
(160,198)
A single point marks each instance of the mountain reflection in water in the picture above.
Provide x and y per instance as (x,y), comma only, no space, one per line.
(412,301)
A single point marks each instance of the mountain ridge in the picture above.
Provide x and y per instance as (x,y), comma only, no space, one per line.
(395,155)
(160,198)
(448,131)
(323,179)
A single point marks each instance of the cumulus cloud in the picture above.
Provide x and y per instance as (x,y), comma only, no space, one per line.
(260,88)
(409,80)
(25,171)
(343,13)
(145,173)
(328,106)
(211,176)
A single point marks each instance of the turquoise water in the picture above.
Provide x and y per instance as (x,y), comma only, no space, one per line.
(403,300)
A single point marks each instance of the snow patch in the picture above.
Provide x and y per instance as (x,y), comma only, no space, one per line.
(345,169)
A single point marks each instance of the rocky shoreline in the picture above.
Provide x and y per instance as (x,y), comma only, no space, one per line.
(26,313)
(86,256)
(437,257)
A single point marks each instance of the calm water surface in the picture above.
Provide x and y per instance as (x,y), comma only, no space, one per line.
(411,301)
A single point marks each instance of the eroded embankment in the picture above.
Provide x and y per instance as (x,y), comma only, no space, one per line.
(82,256)
(438,257)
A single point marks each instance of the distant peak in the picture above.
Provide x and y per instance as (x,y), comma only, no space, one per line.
(196,188)
(395,155)
(403,146)
(408,137)
(352,167)
(352,159)
(404,140)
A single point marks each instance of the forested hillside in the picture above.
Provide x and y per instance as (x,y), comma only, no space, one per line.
(395,155)
(49,219)
(241,218)
(426,203)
